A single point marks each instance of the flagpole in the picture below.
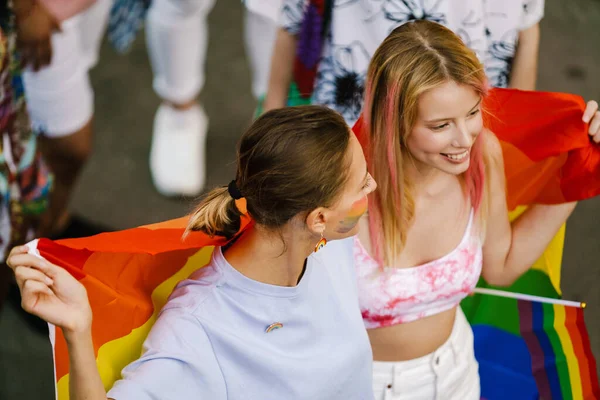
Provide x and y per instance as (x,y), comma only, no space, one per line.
(528,297)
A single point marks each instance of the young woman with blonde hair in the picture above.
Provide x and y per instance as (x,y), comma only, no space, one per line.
(439,219)
(264,318)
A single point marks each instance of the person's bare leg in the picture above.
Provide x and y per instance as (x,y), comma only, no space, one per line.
(65,156)
(61,106)
(260,32)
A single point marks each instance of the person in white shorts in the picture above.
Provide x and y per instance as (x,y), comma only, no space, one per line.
(59,94)
(62,98)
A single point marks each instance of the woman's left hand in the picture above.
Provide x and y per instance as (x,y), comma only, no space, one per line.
(592,115)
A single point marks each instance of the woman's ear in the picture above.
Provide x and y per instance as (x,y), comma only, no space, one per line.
(316,221)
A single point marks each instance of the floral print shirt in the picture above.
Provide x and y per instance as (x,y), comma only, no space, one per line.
(489,27)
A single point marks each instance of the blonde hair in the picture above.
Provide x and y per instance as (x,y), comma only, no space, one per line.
(416,57)
(290,161)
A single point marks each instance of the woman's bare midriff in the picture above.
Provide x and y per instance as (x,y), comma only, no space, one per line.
(412,340)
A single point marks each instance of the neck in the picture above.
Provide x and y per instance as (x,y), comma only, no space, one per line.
(262,256)
(426,180)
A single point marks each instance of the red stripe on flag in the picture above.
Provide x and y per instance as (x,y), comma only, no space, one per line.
(71,260)
(578,348)
(587,362)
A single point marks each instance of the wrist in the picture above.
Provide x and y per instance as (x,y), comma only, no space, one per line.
(76,336)
(272,102)
(78,330)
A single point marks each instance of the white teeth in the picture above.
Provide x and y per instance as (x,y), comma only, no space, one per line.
(457,157)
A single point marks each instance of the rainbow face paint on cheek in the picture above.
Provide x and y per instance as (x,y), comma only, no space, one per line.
(356,211)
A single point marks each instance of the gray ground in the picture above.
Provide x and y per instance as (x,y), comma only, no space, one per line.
(116,188)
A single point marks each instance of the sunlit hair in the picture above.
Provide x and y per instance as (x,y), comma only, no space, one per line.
(416,57)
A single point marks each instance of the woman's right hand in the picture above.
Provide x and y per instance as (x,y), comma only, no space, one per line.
(35,26)
(50,292)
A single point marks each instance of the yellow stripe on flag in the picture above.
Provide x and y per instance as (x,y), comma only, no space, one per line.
(567,346)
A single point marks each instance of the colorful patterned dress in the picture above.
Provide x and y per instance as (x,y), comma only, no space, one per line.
(24,179)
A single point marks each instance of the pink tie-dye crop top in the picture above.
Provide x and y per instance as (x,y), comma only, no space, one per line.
(390,296)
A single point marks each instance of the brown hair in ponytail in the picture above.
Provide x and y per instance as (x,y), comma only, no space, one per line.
(290,161)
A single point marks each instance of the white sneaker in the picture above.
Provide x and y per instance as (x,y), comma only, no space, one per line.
(177,154)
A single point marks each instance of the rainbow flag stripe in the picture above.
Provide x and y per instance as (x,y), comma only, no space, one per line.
(530,350)
(561,356)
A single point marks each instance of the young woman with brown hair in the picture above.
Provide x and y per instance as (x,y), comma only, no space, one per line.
(266,317)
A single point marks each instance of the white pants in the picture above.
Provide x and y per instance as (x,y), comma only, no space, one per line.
(260,33)
(177,36)
(449,373)
(60,97)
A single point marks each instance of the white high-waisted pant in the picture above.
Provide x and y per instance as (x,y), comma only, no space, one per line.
(449,373)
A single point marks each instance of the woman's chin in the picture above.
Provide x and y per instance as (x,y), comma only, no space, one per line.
(345,233)
(454,168)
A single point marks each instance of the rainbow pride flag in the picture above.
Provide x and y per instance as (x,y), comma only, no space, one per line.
(128,276)
(562,361)
(548,155)
(531,350)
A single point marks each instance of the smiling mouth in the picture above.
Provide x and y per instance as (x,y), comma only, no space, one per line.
(457,157)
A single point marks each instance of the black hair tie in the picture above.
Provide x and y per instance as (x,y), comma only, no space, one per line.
(234,191)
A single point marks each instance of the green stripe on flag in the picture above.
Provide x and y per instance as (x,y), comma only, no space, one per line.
(560,359)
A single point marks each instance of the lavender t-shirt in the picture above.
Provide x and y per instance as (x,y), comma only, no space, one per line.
(224,336)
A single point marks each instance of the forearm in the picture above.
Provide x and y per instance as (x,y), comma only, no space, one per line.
(84,379)
(282,69)
(525,63)
(530,236)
